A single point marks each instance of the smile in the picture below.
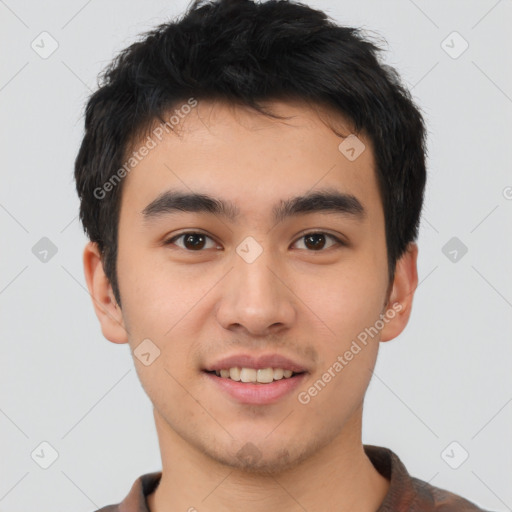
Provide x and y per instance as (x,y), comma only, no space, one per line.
(249,390)
(253,375)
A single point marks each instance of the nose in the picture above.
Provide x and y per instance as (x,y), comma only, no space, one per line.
(256,297)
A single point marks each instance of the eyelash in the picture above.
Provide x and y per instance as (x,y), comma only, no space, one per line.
(338,241)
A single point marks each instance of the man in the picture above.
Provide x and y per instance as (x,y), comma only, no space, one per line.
(251,179)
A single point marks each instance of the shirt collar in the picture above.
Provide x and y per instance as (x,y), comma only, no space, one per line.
(401,494)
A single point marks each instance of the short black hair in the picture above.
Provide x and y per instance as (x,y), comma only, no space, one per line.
(248,53)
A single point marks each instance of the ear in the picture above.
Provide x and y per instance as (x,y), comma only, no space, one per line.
(401,294)
(105,305)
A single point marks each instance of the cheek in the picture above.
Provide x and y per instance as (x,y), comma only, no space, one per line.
(149,290)
(348,308)
(155,307)
(345,301)
(160,303)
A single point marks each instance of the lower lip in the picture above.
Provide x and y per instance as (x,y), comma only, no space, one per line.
(257,394)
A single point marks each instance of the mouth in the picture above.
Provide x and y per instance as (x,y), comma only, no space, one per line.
(251,386)
(255,379)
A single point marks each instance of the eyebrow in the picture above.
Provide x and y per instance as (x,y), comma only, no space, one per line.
(327,200)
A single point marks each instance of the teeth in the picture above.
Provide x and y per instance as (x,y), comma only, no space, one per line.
(278,373)
(234,373)
(263,376)
(248,375)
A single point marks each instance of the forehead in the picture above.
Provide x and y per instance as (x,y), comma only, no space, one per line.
(229,151)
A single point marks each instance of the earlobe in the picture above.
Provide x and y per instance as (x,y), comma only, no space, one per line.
(399,306)
(105,306)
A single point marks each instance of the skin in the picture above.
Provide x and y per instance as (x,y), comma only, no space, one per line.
(300,302)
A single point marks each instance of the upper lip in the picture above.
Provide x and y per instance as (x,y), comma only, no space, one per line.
(257,362)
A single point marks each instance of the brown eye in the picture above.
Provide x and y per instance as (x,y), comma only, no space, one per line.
(191,241)
(316,241)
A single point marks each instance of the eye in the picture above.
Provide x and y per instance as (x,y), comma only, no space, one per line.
(192,241)
(316,240)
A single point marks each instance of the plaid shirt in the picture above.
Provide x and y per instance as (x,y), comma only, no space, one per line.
(405,494)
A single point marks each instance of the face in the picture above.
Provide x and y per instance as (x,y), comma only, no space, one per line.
(241,288)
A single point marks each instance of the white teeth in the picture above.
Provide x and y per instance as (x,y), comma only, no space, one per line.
(265,375)
(234,373)
(248,375)
(278,373)
(262,375)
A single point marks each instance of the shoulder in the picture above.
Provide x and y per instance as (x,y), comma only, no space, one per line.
(135,501)
(441,500)
(412,494)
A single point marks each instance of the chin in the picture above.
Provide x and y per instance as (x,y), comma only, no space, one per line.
(269,459)
(262,465)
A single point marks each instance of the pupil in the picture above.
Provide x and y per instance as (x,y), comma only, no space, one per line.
(315,237)
(190,238)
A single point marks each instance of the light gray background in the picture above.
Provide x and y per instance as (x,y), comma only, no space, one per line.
(446,378)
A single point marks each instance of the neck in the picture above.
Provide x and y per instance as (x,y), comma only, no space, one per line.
(337,477)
